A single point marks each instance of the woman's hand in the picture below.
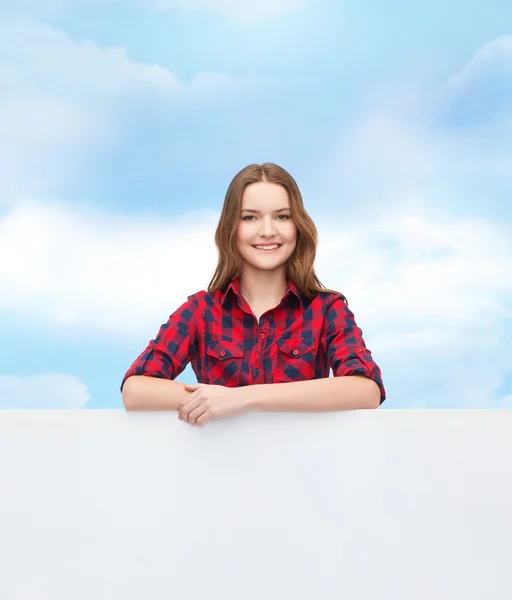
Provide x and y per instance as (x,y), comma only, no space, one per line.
(207,402)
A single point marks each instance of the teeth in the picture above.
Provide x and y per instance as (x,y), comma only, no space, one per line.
(267,247)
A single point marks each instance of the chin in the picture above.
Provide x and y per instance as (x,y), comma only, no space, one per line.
(267,266)
(265,263)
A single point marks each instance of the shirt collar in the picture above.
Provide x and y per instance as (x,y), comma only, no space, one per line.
(291,288)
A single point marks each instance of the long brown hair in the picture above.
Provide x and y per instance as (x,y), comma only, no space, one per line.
(300,265)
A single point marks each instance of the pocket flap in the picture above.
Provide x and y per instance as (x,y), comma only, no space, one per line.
(224,350)
(296,347)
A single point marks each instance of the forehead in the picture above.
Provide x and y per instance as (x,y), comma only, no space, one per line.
(265,196)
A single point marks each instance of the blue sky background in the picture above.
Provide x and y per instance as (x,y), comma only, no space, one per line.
(123,122)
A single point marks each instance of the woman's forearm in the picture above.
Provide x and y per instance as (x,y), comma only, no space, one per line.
(153,393)
(316,395)
(142,393)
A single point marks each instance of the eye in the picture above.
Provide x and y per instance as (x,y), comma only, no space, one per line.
(280,217)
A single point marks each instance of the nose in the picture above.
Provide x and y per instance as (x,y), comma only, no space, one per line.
(267,228)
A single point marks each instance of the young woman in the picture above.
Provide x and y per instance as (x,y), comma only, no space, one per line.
(266,333)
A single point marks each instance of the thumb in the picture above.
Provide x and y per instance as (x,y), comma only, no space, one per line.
(192,387)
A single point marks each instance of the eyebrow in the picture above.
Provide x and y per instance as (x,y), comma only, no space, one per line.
(251,210)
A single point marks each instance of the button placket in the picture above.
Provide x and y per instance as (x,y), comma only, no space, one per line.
(258,348)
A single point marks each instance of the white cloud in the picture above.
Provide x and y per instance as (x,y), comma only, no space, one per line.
(499,48)
(436,297)
(79,68)
(480,95)
(381,156)
(505,402)
(434,280)
(418,151)
(430,293)
(59,98)
(261,10)
(433,287)
(64,260)
(45,390)
(406,138)
(100,272)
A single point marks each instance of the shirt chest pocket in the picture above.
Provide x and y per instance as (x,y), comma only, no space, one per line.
(295,359)
(224,362)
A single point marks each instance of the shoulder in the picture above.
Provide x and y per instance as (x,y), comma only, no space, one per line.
(332,301)
(198,296)
(191,306)
(334,310)
(205,298)
(196,302)
(199,301)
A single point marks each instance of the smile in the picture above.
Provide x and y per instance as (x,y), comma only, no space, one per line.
(268,248)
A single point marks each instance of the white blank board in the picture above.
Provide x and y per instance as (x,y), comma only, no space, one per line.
(358,505)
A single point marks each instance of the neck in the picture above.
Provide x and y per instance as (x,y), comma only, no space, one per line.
(263,287)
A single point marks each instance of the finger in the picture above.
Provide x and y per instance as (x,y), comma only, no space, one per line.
(200,421)
(187,408)
(190,398)
(192,387)
(195,414)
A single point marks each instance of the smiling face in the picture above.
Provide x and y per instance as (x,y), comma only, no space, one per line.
(266,234)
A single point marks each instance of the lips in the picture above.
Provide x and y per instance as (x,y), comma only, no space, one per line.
(265,246)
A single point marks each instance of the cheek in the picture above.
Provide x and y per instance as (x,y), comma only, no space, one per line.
(292,233)
(241,233)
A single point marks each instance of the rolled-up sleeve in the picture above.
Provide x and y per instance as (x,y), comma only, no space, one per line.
(173,348)
(345,348)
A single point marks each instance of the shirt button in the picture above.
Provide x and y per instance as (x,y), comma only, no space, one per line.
(295,351)
(256,365)
(223,353)
(359,350)
(262,335)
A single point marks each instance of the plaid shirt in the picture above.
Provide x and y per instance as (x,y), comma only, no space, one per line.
(297,340)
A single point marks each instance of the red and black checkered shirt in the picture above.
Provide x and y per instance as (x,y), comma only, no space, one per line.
(297,340)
